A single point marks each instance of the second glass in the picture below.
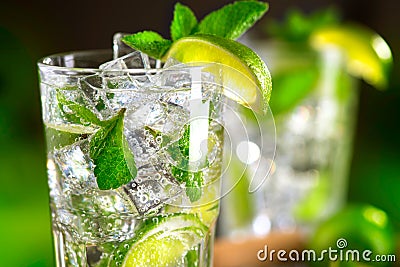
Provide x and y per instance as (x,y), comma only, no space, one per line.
(314,102)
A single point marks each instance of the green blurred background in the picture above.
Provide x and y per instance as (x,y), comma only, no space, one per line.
(30,30)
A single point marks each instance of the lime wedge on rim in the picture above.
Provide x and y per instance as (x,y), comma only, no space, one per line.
(161,241)
(368,55)
(245,77)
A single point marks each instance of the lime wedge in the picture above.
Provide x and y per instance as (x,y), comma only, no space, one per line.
(368,55)
(161,241)
(245,76)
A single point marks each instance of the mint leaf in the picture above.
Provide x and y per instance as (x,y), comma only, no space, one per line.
(110,153)
(297,26)
(74,112)
(192,258)
(232,20)
(292,86)
(184,22)
(148,42)
(193,180)
(179,150)
(108,148)
(183,142)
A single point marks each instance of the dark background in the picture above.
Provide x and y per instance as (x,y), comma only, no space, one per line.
(30,30)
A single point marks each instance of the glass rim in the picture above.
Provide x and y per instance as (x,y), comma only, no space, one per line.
(45,67)
(44,62)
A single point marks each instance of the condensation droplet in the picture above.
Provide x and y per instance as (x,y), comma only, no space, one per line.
(159,139)
(163,181)
(144,199)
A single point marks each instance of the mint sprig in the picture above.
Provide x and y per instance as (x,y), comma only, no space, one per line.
(108,148)
(230,22)
(148,42)
(184,22)
(298,26)
(233,20)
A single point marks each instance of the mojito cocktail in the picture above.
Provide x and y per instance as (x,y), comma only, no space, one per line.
(135,139)
(128,183)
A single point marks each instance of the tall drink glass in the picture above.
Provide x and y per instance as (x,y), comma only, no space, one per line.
(134,159)
(314,103)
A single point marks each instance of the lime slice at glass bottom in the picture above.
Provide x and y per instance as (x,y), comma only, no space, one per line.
(160,241)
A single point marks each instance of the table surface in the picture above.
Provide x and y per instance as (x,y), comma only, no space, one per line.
(240,253)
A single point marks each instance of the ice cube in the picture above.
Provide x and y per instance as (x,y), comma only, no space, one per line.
(174,78)
(145,61)
(179,75)
(103,202)
(175,85)
(76,168)
(152,188)
(107,93)
(121,49)
(179,99)
(170,62)
(135,74)
(116,64)
(143,145)
(133,60)
(101,215)
(96,97)
(149,112)
(53,115)
(177,112)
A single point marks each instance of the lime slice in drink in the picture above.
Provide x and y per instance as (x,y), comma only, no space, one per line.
(160,241)
(368,55)
(245,76)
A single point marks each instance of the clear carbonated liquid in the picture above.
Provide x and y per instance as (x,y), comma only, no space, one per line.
(94,227)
